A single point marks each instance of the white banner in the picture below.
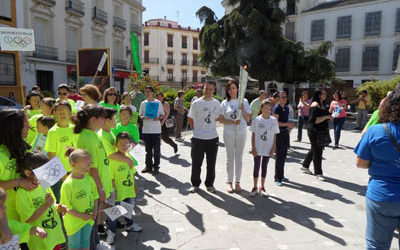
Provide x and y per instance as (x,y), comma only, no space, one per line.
(50,173)
(244,76)
(102,62)
(13,39)
(138,152)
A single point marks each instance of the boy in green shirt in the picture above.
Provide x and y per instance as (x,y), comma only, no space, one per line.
(125,124)
(47,105)
(44,124)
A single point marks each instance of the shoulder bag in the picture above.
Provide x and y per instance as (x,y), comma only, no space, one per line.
(391,137)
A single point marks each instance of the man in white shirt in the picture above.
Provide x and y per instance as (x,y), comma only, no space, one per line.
(151,111)
(203,115)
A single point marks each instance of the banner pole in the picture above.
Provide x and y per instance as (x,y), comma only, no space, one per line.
(95,76)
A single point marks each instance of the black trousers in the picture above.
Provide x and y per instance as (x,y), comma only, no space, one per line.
(210,149)
(314,155)
(152,144)
(282,145)
(165,136)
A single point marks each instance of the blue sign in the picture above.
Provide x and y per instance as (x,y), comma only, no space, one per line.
(151,110)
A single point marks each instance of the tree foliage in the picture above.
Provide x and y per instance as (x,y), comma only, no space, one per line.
(252,35)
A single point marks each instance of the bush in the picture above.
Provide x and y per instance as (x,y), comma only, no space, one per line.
(378,90)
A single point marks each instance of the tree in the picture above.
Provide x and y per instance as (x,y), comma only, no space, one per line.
(252,35)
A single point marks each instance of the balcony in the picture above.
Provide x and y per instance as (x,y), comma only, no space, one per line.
(184,62)
(45,52)
(50,3)
(184,79)
(136,28)
(170,78)
(71,56)
(75,7)
(119,23)
(119,64)
(170,61)
(99,16)
(195,63)
(151,60)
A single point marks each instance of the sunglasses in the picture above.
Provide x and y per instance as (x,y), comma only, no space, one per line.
(62,93)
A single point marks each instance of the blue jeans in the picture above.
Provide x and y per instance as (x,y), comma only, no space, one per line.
(382,220)
(301,120)
(113,224)
(337,128)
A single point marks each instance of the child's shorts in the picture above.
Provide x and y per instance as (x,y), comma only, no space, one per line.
(81,239)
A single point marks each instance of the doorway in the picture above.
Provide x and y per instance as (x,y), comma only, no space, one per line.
(45,80)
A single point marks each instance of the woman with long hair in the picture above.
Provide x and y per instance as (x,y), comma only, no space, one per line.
(235,132)
(318,121)
(339,104)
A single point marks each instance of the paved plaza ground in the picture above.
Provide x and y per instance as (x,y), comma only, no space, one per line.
(303,214)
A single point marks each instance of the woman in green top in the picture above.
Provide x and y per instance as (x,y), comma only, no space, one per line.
(13,129)
(32,102)
(111,100)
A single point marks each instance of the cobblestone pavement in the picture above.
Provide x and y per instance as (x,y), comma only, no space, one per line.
(303,214)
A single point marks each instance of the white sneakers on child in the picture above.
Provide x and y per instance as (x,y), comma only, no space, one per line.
(104,246)
(110,237)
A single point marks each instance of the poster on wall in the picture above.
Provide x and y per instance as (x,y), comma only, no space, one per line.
(89,70)
(16,39)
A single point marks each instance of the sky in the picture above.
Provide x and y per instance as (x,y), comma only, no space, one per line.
(183,11)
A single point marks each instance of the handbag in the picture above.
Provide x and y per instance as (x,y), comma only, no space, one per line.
(169,123)
(323,138)
(391,137)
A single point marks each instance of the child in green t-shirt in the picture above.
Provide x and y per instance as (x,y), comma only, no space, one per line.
(123,182)
(47,105)
(125,124)
(79,194)
(126,99)
(105,134)
(36,207)
(44,124)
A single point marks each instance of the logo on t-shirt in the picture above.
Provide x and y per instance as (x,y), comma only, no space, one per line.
(128,181)
(80,195)
(50,222)
(264,135)
(37,202)
(234,115)
(208,118)
(64,139)
(11,166)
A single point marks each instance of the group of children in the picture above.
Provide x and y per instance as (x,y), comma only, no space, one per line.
(93,148)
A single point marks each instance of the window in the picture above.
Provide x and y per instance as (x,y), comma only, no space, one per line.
(146,39)
(170,76)
(146,56)
(343,27)
(170,40)
(398,20)
(184,42)
(195,43)
(194,75)
(373,23)
(170,58)
(370,60)
(8,75)
(184,76)
(318,30)
(343,60)
(6,10)
(203,76)
(290,31)
(184,59)
(396,56)
(291,7)
(195,60)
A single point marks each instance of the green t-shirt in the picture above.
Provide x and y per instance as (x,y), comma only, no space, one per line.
(58,139)
(22,229)
(27,202)
(131,128)
(91,142)
(116,107)
(32,132)
(72,103)
(8,171)
(80,195)
(373,120)
(108,140)
(33,112)
(124,180)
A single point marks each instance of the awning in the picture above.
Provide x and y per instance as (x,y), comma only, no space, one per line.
(123,74)
(71,69)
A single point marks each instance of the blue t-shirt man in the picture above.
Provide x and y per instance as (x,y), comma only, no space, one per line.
(283,113)
(375,146)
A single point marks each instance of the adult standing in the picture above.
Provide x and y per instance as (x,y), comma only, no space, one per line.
(137,98)
(179,115)
(338,121)
(72,93)
(379,152)
(90,94)
(319,121)
(235,133)
(364,100)
(199,93)
(151,111)
(303,113)
(203,115)
(111,100)
(281,113)
(164,128)
(256,103)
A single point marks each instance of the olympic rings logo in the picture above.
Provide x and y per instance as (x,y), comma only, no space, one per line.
(52,174)
(17,41)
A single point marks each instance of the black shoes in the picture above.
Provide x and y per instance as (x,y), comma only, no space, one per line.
(146,170)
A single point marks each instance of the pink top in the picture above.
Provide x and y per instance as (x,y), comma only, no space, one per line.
(342,103)
(304,110)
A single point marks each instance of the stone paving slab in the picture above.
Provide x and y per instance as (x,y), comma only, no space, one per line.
(303,214)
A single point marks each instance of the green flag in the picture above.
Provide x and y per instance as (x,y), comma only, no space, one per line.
(135,55)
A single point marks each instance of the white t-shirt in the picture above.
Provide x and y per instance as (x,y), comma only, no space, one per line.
(149,125)
(204,114)
(229,110)
(265,130)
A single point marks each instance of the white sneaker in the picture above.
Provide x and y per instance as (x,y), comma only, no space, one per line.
(253,192)
(194,189)
(104,246)
(134,228)
(305,170)
(320,177)
(110,237)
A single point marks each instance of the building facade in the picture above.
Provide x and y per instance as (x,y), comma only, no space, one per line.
(171,53)
(63,27)
(10,71)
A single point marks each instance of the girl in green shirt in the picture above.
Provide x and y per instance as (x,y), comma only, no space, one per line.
(111,100)
(32,102)
(105,134)
(47,106)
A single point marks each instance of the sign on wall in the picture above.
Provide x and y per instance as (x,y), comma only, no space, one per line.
(90,59)
(15,39)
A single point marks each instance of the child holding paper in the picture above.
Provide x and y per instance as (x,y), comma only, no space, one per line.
(36,207)
(125,124)
(123,182)
(44,124)
(79,194)
(47,105)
